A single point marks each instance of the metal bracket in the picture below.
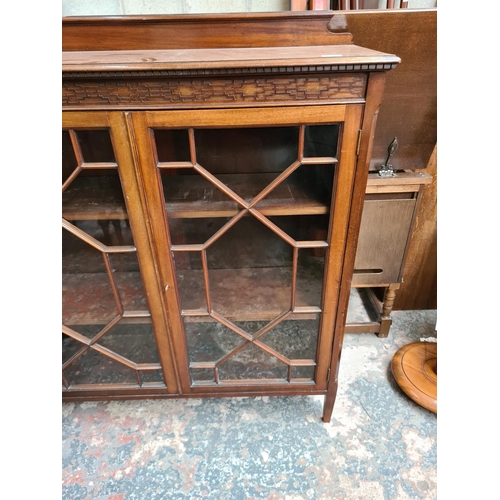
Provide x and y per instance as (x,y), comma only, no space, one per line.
(386,169)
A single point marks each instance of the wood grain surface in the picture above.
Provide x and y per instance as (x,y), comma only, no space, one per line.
(414,367)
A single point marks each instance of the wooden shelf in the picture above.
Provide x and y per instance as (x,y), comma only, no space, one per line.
(94,198)
(191,196)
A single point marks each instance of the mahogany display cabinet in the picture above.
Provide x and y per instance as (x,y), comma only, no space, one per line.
(212,201)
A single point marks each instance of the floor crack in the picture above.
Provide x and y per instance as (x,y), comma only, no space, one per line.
(369,416)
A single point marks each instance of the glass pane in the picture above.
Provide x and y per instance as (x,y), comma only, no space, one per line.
(249,270)
(152,376)
(172,145)
(294,338)
(188,194)
(109,232)
(253,363)
(93,367)
(96,146)
(310,272)
(128,281)
(69,162)
(69,348)
(87,292)
(185,231)
(202,374)
(246,150)
(304,227)
(94,194)
(303,372)
(132,341)
(249,237)
(313,185)
(209,341)
(103,294)
(190,280)
(321,141)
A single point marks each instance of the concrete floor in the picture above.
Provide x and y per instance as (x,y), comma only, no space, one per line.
(379,444)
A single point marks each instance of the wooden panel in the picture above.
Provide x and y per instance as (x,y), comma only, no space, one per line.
(195,31)
(409,107)
(254,117)
(249,90)
(419,288)
(382,241)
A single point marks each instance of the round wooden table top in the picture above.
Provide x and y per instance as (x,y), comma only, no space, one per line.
(414,367)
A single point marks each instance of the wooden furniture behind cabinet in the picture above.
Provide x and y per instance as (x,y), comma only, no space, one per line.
(212,201)
(389,212)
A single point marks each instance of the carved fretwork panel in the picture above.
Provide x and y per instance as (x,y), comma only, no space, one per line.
(159,92)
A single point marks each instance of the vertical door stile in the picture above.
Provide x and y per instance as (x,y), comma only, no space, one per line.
(147,168)
(135,199)
(339,220)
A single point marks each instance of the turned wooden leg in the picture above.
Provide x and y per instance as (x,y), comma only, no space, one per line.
(386,320)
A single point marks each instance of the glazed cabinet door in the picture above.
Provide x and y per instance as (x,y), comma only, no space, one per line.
(249,213)
(114,339)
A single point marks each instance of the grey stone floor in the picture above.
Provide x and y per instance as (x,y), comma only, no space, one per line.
(379,444)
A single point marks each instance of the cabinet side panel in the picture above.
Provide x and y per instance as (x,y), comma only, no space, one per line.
(382,241)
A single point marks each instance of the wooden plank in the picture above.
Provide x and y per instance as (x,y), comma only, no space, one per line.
(261,57)
(405,188)
(404,178)
(202,30)
(419,288)
(256,117)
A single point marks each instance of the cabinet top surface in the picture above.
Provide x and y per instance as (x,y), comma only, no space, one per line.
(258,57)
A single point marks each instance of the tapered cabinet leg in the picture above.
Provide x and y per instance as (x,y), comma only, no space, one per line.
(329,403)
(386,320)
